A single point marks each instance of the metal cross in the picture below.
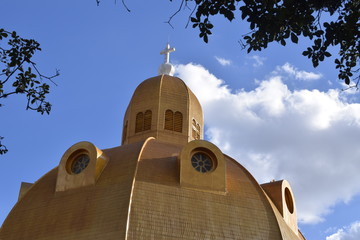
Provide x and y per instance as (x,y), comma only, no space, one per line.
(167,52)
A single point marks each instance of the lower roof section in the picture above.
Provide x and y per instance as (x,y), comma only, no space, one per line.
(139,196)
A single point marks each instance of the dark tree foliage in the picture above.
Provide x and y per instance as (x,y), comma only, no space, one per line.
(284,20)
(19,74)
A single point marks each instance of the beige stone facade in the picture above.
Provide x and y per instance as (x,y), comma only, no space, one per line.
(163,182)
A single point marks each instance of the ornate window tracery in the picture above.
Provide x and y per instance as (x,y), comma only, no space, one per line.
(202,162)
(80,163)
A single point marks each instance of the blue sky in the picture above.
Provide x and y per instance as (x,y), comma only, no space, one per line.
(281,118)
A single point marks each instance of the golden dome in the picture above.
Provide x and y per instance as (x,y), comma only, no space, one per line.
(164,182)
(147,190)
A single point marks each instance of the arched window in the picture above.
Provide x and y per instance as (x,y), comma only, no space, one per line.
(147,120)
(195,130)
(169,120)
(173,121)
(143,121)
(178,121)
(139,122)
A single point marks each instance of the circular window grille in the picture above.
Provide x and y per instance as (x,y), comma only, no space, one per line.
(80,163)
(202,162)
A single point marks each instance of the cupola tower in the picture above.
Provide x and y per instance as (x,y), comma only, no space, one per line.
(165,108)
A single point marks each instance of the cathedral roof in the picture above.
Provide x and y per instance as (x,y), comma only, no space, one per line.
(163,182)
(139,195)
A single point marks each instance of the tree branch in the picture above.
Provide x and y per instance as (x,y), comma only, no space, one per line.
(123,2)
(5,95)
(43,76)
(3,148)
(192,12)
(12,72)
(174,14)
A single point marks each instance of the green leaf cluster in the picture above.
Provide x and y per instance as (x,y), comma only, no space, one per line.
(19,74)
(284,20)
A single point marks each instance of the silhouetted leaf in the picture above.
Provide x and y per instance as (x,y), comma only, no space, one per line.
(294,38)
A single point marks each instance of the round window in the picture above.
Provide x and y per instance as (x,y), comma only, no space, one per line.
(289,200)
(80,163)
(202,162)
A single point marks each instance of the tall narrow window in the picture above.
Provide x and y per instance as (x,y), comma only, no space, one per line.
(195,130)
(139,122)
(169,120)
(124,132)
(178,121)
(143,121)
(147,120)
(198,131)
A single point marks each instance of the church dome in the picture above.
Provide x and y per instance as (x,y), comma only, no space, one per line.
(151,190)
(163,182)
(163,107)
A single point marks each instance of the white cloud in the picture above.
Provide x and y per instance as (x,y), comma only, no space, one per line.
(307,137)
(351,232)
(223,61)
(296,73)
(259,61)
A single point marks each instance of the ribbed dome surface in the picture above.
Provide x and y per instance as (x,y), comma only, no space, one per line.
(165,108)
(155,185)
(138,196)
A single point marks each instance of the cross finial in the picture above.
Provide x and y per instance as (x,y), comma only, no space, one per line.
(166,67)
(167,52)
